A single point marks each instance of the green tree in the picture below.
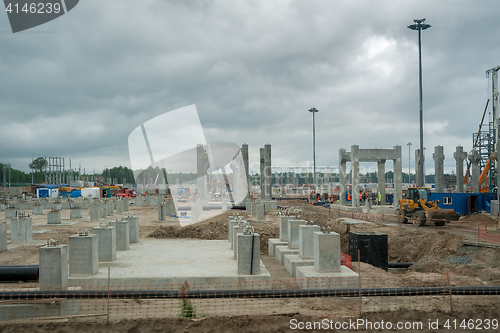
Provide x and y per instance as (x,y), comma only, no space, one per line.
(39,164)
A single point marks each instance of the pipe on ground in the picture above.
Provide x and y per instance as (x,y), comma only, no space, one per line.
(399,264)
(266,293)
(16,273)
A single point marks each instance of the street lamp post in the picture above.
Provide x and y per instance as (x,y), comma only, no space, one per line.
(313,111)
(409,162)
(420,25)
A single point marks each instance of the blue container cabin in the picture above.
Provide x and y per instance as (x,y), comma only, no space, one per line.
(464,203)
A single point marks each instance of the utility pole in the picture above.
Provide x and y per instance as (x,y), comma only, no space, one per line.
(409,162)
(313,111)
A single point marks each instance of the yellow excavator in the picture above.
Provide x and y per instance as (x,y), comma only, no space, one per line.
(416,206)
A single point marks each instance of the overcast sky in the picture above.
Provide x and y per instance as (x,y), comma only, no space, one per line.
(76,87)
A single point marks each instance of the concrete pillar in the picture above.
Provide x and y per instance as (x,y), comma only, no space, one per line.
(94,213)
(3,236)
(355,175)
(244,153)
(474,158)
(293,233)
(106,242)
(75,213)
(284,227)
(139,202)
(417,161)
(54,218)
(83,254)
(37,209)
(327,252)
(438,157)
(201,172)
(460,155)
(306,240)
(122,235)
(398,176)
(133,228)
(381,180)
(244,256)
(237,230)
(267,171)
(224,205)
(260,212)
(53,269)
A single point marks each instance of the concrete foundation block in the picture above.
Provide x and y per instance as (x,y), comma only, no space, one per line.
(272,243)
(21,230)
(122,235)
(306,240)
(284,227)
(110,211)
(133,228)
(119,206)
(3,236)
(254,208)
(54,217)
(231,225)
(101,209)
(309,278)
(269,205)
(293,233)
(75,213)
(83,255)
(292,261)
(327,252)
(139,202)
(260,212)
(10,212)
(37,210)
(106,242)
(494,208)
(234,244)
(281,251)
(53,267)
(247,262)
(94,213)
(126,203)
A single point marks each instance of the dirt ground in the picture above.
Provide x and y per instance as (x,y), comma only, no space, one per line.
(438,255)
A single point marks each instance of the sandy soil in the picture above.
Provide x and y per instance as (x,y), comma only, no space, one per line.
(433,250)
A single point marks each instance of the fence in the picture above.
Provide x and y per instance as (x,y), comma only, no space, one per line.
(324,297)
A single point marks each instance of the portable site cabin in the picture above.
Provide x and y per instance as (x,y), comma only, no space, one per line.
(47,192)
(464,203)
(93,192)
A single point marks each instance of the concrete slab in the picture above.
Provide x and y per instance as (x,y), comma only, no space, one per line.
(167,263)
(272,243)
(292,261)
(310,278)
(281,251)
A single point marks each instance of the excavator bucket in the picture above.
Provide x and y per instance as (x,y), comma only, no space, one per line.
(440,216)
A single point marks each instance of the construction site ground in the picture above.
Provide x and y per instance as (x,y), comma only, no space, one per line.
(434,251)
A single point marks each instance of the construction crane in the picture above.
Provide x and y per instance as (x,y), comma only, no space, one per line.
(494,83)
